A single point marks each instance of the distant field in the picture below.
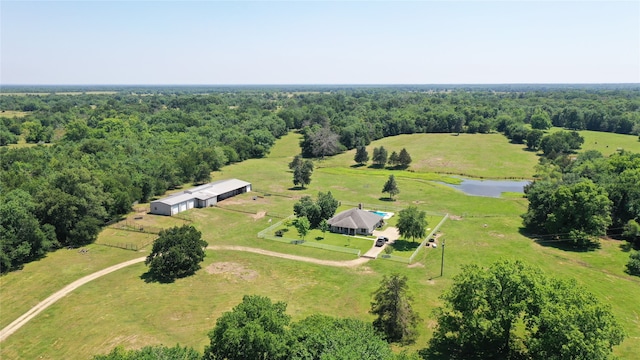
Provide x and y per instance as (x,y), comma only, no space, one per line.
(608,143)
(59,93)
(13,113)
(22,144)
(475,155)
(121,309)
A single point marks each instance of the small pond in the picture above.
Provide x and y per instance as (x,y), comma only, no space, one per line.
(490,188)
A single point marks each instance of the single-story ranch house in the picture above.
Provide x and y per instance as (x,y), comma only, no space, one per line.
(355,221)
(199,197)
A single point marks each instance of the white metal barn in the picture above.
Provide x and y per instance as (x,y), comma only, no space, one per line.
(199,197)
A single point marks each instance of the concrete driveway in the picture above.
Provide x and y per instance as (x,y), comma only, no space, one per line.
(390,232)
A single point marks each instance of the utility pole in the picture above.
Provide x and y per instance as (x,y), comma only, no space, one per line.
(442,263)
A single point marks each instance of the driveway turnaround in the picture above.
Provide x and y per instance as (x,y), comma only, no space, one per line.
(391,233)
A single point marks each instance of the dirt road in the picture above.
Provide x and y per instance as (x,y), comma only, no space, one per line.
(41,306)
(346,263)
(17,324)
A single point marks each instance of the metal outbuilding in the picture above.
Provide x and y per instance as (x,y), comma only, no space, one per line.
(199,197)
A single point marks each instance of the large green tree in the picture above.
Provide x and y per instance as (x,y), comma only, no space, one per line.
(176,253)
(412,223)
(302,225)
(395,318)
(633,266)
(255,329)
(325,337)
(391,187)
(379,157)
(155,352)
(632,232)
(511,311)
(328,205)
(540,120)
(302,173)
(22,238)
(404,159)
(362,156)
(297,161)
(577,212)
(533,139)
(561,142)
(393,159)
(74,203)
(322,209)
(308,208)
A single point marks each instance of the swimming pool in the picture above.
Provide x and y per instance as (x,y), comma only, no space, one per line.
(385,215)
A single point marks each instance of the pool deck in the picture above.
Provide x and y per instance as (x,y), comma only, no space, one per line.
(387,215)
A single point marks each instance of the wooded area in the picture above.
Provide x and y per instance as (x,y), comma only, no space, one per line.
(111,150)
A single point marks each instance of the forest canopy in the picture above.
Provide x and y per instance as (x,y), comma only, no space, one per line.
(110,150)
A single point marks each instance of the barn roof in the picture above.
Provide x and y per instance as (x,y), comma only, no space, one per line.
(204,192)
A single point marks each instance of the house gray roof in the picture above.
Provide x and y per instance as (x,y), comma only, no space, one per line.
(204,192)
(355,219)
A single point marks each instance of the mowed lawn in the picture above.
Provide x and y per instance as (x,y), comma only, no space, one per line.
(121,309)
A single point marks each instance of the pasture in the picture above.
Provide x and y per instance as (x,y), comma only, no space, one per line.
(122,309)
(13,113)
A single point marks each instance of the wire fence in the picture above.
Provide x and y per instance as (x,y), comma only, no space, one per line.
(270,230)
(127,246)
(183,216)
(270,193)
(397,258)
(422,244)
(269,234)
(127,225)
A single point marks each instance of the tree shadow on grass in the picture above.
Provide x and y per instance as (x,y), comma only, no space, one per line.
(386,198)
(560,244)
(627,246)
(150,277)
(297,188)
(404,245)
(355,166)
(375,166)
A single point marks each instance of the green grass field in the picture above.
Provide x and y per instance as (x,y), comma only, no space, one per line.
(13,113)
(607,143)
(121,309)
(477,155)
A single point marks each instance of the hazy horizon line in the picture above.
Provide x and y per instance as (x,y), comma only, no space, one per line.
(329,84)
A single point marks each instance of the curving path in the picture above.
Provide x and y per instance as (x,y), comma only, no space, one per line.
(41,306)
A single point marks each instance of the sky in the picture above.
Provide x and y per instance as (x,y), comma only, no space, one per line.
(318,42)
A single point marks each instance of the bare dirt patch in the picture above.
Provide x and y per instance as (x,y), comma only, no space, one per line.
(416,265)
(365,270)
(493,233)
(255,199)
(259,215)
(232,270)
(455,217)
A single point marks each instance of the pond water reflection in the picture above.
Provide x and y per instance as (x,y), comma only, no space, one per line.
(490,188)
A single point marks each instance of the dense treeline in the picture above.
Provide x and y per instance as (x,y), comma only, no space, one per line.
(580,200)
(111,150)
